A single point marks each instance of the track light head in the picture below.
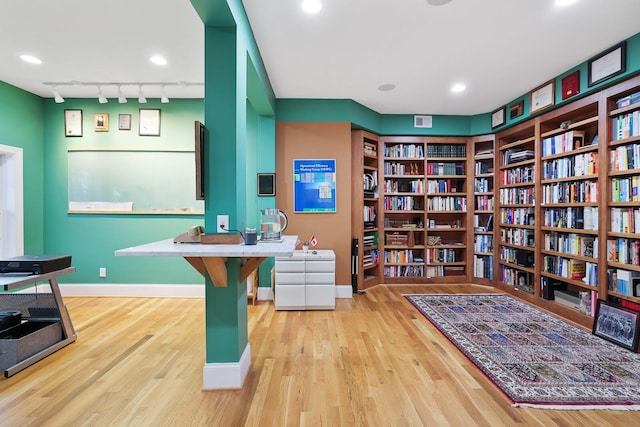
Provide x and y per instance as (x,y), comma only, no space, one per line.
(164,98)
(121,98)
(101,98)
(56,96)
(141,98)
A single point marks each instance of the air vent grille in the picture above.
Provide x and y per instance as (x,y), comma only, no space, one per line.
(422,121)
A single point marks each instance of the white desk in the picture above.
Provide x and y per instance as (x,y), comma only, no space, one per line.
(211,258)
(11,283)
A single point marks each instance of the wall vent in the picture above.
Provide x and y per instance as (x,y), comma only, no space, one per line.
(422,121)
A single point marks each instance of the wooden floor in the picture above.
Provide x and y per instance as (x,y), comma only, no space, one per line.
(374,361)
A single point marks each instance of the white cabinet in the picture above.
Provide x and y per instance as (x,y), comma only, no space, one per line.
(306,281)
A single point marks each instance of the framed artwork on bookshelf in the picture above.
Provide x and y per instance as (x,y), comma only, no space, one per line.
(571,85)
(617,324)
(607,64)
(516,110)
(498,117)
(543,97)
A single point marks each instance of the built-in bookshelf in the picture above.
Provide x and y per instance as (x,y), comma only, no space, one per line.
(366,268)
(623,177)
(569,241)
(516,211)
(484,156)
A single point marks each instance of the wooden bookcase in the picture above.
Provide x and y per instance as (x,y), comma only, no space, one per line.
(484,156)
(365,219)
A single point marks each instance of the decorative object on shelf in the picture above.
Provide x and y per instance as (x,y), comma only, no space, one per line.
(73,123)
(571,85)
(617,324)
(498,117)
(568,369)
(304,245)
(434,240)
(101,122)
(124,121)
(266,184)
(608,64)
(516,110)
(542,97)
(149,122)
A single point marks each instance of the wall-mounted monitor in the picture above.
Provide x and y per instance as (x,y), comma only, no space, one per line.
(200,159)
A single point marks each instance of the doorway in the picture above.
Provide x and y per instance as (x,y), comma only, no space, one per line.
(11,206)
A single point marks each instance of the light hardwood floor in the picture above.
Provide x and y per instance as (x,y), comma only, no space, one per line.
(374,361)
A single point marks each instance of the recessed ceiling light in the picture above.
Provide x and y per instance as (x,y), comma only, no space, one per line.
(458,87)
(438,2)
(386,87)
(564,2)
(158,60)
(30,59)
(311,6)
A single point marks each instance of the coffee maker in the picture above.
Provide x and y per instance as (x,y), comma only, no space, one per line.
(273,222)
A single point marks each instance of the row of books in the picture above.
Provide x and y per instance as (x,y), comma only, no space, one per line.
(565,167)
(401,203)
(371,257)
(482,185)
(570,192)
(581,217)
(400,257)
(370,239)
(404,271)
(517,236)
(517,196)
(563,142)
(444,270)
(396,168)
(627,100)
(484,203)
(483,243)
(436,255)
(623,281)
(515,156)
(443,185)
(404,186)
(625,189)
(517,216)
(440,150)
(445,168)
(624,157)
(447,203)
(369,213)
(572,243)
(625,220)
(623,251)
(483,168)
(518,279)
(570,268)
(625,125)
(411,151)
(521,175)
(483,267)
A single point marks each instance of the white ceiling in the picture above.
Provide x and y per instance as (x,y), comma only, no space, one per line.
(500,49)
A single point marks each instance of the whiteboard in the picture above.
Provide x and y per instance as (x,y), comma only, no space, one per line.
(122,181)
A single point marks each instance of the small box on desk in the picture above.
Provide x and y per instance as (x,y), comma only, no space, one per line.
(220,239)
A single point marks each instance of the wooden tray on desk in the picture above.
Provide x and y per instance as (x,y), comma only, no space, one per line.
(220,239)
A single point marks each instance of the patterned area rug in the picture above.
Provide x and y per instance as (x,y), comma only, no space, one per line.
(536,359)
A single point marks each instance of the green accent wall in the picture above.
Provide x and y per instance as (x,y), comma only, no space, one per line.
(22,125)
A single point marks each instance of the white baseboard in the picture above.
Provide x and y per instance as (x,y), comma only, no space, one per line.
(344,291)
(231,375)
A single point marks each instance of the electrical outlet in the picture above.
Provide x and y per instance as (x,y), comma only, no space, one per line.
(103,272)
(223,224)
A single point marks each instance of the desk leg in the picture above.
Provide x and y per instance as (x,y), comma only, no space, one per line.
(67,326)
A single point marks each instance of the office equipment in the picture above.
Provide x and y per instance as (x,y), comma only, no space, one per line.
(35,264)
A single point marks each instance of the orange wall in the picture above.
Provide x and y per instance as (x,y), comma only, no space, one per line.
(318,141)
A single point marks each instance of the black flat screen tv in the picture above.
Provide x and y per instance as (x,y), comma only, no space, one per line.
(200,159)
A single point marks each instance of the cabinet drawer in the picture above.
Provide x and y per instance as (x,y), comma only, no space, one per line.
(290,266)
(320,297)
(318,266)
(289,278)
(321,278)
(290,297)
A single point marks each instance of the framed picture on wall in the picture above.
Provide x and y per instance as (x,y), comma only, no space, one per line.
(543,97)
(149,122)
(266,184)
(516,110)
(73,123)
(101,122)
(607,64)
(498,117)
(124,121)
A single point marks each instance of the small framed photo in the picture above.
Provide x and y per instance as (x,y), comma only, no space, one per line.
(266,184)
(609,63)
(124,121)
(72,122)
(498,117)
(571,85)
(101,122)
(543,97)
(149,122)
(516,110)
(617,324)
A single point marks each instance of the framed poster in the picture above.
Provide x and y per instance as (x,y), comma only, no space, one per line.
(266,184)
(498,117)
(617,324)
(542,97)
(124,121)
(72,122)
(101,122)
(314,186)
(608,64)
(149,122)
(517,109)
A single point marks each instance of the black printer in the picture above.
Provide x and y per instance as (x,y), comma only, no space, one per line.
(35,264)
